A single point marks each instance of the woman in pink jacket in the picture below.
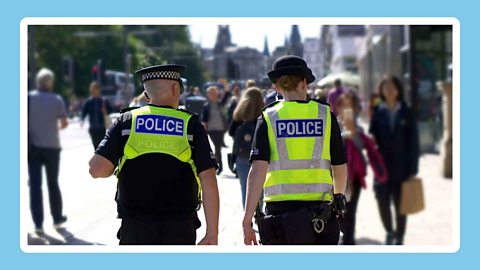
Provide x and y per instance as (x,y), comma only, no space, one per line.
(356,142)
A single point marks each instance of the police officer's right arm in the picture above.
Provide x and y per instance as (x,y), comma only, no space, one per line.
(109,151)
(259,157)
(206,165)
(256,178)
(100,167)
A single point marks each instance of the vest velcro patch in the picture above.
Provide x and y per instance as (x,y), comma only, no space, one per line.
(299,128)
(159,124)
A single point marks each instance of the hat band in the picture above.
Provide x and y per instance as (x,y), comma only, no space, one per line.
(169,75)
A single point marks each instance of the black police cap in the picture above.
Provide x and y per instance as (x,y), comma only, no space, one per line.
(165,72)
(162,72)
(290,65)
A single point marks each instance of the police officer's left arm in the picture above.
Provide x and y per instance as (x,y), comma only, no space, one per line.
(256,178)
(338,158)
(339,178)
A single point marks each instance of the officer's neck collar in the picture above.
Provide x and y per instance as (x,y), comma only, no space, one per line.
(161,106)
(297,100)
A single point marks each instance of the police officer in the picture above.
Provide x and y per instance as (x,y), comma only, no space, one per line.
(163,160)
(298,157)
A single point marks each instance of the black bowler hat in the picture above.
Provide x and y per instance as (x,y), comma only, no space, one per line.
(290,65)
(162,72)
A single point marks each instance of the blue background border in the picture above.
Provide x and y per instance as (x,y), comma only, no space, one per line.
(13,11)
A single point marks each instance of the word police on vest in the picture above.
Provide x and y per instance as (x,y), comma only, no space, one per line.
(159,124)
(299,128)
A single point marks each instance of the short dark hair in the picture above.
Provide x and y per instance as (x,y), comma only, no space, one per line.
(396,82)
(337,82)
(353,97)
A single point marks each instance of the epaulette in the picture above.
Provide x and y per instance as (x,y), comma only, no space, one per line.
(124,110)
(187,111)
(319,101)
(271,105)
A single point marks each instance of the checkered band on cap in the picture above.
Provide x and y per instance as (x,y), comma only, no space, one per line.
(170,75)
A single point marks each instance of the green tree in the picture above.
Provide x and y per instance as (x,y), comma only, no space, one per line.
(161,45)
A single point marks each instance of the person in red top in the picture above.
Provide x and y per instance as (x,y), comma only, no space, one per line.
(334,94)
(355,142)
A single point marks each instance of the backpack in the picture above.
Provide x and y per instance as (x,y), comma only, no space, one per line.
(242,141)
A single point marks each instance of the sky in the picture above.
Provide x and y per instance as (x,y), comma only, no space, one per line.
(252,35)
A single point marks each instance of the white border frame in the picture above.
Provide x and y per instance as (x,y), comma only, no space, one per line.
(454,247)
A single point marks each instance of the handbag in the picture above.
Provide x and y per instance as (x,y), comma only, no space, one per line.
(412,199)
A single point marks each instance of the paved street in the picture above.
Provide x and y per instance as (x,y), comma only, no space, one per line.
(91,210)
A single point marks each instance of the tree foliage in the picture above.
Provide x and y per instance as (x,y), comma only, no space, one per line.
(160,45)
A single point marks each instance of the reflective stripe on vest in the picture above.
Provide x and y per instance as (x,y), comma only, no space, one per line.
(159,130)
(304,172)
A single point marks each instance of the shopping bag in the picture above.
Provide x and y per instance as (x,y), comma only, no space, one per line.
(412,200)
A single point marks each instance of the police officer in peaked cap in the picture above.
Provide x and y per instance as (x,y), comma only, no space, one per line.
(164,165)
(299,162)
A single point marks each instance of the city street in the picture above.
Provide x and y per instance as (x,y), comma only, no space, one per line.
(91,210)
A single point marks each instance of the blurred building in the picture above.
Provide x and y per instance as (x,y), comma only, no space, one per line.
(228,61)
(313,55)
(420,56)
(340,45)
(295,46)
(278,51)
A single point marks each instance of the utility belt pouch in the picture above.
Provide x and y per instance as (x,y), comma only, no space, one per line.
(298,228)
(270,230)
(320,214)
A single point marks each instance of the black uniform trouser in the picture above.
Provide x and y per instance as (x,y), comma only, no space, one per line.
(385,194)
(169,231)
(50,158)
(217,137)
(347,223)
(329,236)
(97,135)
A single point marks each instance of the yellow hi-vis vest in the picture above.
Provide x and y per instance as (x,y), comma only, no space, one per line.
(299,140)
(159,130)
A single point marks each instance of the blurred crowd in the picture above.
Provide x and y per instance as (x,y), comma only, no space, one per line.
(388,143)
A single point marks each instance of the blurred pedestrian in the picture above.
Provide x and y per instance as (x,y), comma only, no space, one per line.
(138,101)
(334,94)
(96,108)
(196,91)
(195,103)
(164,161)
(214,120)
(242,130)
(272,96)
(395,131)
(46,115)
(374,101)
(320,95)
(356,142)
(250,83)
(298,159)
(232,103)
